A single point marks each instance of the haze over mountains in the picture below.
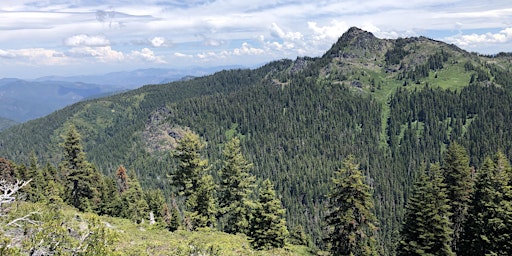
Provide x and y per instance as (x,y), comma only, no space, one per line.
(23,100)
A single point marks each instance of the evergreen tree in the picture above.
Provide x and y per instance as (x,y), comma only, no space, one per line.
(122,179)
(110,204)
(171,216)
(488,228)
(426,230)
(81,177)
(201,205)
(156,203)
(7,170)
(350,218)
(36,190)
(268,225)
(191,166)
(459,181)
(236,186)
(134,202)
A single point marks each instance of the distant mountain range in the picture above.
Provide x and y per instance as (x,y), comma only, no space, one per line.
(23,100)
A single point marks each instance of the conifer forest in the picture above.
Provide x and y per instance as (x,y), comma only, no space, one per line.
(378,147)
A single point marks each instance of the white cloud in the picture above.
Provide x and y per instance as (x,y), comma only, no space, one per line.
(147,55)
(35,56)
(86,40)
(503,36)
(212,30)
(102,54)
(247,49)
(328,33)
(158,41)
(278,32)
(182,55)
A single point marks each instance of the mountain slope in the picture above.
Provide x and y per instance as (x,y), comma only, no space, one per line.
(6,123)
(385,101)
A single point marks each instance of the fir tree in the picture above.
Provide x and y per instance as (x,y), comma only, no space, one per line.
(191,166)
(156,203)
(81,177)
(459,181)
(426,230)
(134,203)
(36,189)
(488,228)
(110,198)
(350,218)
(201,205)
(268,225)
(171,216)
(236,186)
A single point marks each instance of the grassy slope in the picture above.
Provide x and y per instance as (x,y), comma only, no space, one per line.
(144,239)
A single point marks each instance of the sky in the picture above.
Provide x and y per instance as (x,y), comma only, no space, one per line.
(78,37)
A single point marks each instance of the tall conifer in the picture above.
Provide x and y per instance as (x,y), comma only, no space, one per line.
(350,218)
(81,177)
(236,185)
(268,225)
(191,166)
(426,230)
(488,229)
(201,204)
(459,181)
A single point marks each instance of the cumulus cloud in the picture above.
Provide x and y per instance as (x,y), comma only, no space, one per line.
(329,32)
(247,49)
(147,55)
(210,30)
(102,54)
(278,32)
(86,40)
(502,36)
(158,41)
(36,56)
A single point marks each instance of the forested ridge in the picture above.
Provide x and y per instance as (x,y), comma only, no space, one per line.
(395,105)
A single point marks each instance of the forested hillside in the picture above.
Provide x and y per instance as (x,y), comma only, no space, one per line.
(6,123)
(395,105)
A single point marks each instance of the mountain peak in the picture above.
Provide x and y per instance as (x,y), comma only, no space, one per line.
(356,43)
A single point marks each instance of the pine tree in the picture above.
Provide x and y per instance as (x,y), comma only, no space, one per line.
(350,218)
(488,228)
(191,166)
(236,186)
(459,181)
(426,230)
(267,228)
(81,177)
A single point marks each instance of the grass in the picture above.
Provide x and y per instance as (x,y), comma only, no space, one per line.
(144,239)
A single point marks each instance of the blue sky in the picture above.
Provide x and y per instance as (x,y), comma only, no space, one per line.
(73,37)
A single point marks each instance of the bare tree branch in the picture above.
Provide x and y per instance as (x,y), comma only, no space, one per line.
(24,218)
